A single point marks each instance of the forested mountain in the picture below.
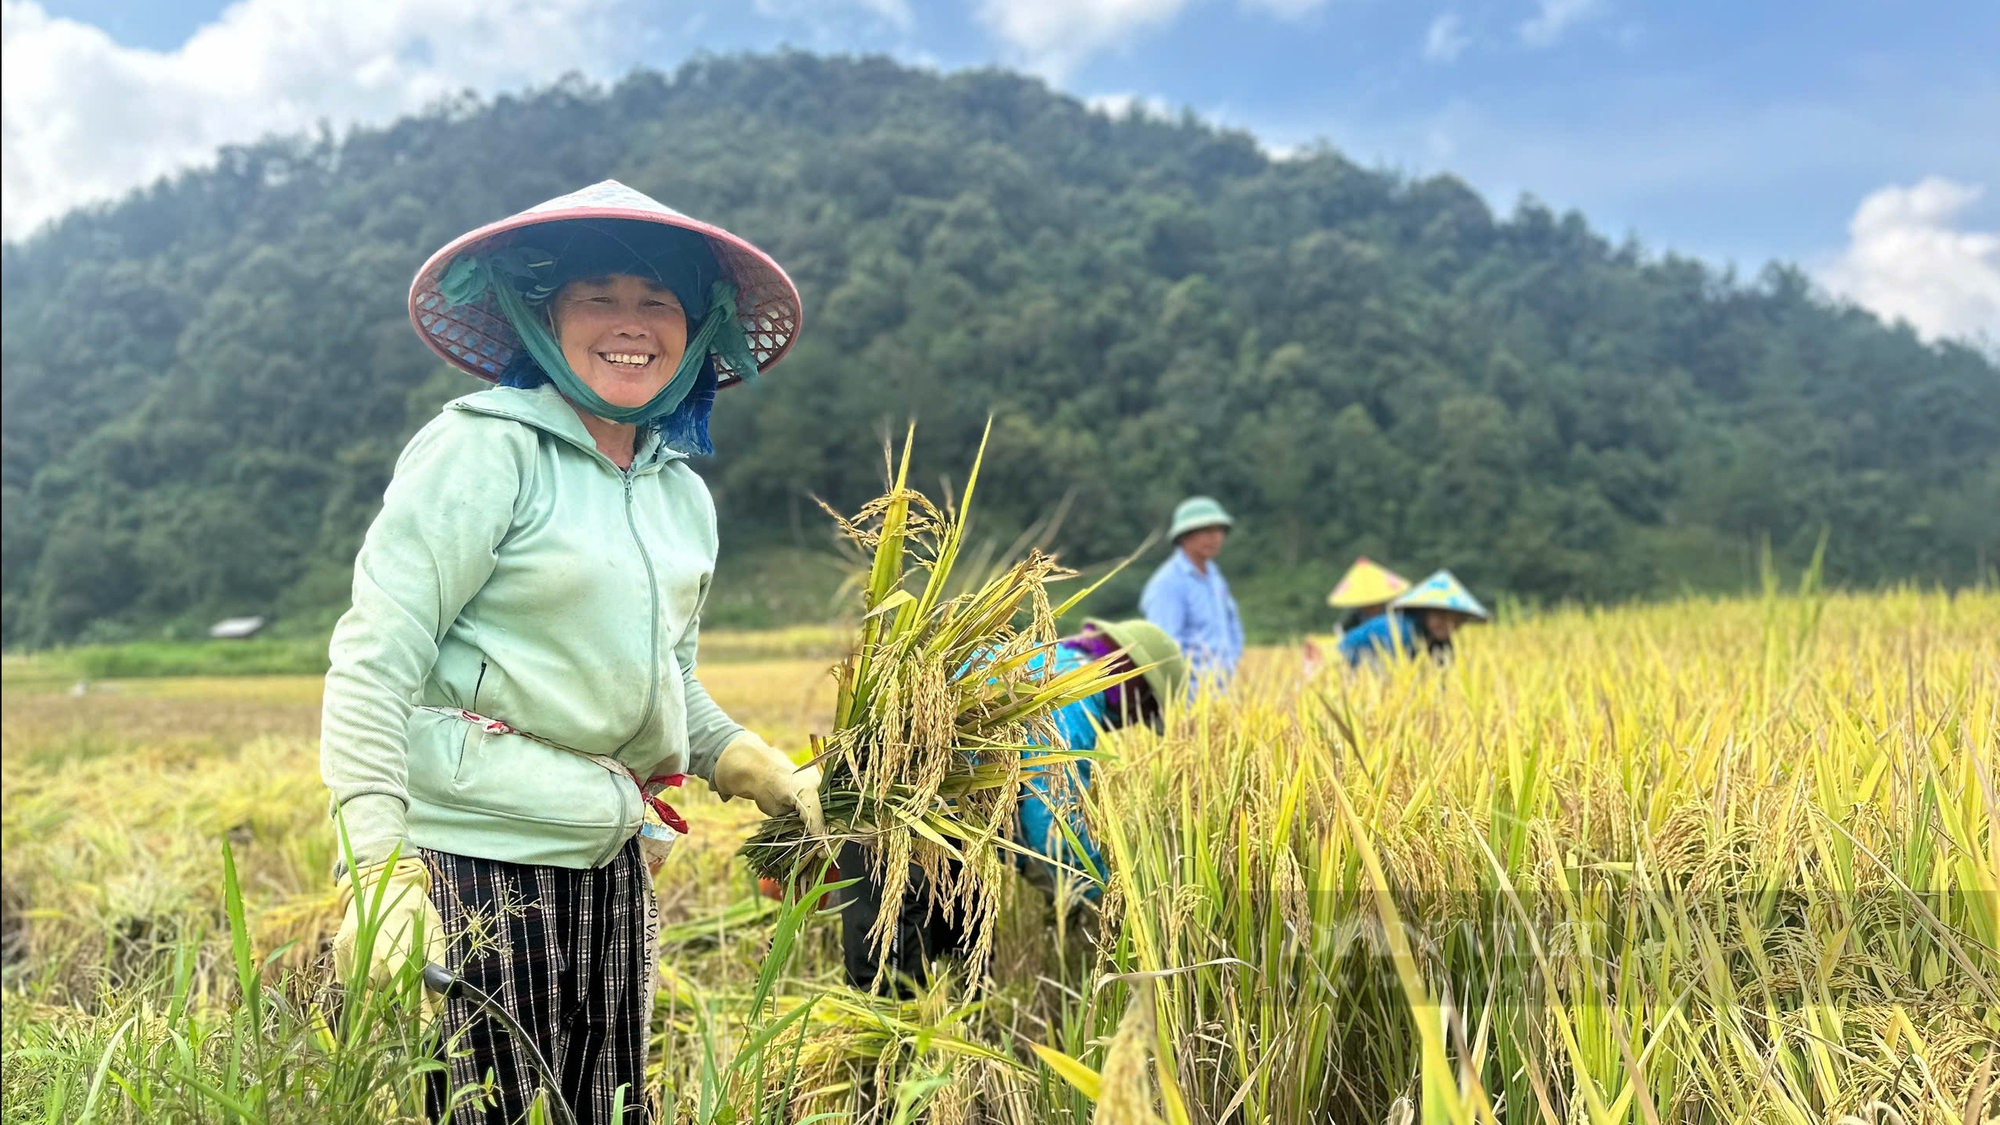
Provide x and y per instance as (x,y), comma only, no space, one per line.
(206,384)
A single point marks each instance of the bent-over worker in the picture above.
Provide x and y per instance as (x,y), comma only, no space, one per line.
(1421,620)
(1365,591)
(1068,871)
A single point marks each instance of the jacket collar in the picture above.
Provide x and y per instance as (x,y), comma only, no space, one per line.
(1187,566)
(547,410)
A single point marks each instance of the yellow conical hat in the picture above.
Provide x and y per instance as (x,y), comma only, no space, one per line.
(1367,582)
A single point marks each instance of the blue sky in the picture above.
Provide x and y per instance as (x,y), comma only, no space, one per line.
(1739,132)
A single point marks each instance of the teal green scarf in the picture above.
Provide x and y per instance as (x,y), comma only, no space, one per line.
(471,277)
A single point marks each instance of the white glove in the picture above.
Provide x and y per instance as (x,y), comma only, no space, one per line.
(750,767)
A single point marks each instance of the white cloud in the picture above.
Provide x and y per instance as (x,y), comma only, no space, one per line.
(1056,36)
(1907,259)
(1446,38)
(1554,17)
(87,119)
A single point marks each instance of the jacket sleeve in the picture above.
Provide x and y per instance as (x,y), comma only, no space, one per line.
(430,549)
(710,729)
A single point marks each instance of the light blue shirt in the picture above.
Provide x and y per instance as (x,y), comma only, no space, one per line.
(1197,611)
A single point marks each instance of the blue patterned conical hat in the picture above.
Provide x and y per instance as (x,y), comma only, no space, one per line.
(1443,591)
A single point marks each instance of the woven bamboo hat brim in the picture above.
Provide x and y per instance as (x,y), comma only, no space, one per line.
(475,338)
(1366,583)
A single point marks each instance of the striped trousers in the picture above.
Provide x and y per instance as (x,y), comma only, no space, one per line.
(567,952)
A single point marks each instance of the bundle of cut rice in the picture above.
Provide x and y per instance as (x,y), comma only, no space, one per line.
(943,708)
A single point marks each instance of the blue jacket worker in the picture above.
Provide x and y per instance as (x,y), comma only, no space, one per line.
(1421,620)
(1070,860)
(1188,598)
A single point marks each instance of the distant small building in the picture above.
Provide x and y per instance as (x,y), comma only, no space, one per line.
(236,628)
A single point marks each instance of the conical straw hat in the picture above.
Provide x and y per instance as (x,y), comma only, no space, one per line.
(1366,583)
(1443,591)
(477,339)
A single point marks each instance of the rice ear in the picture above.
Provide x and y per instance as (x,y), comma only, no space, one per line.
(1125,1088)
(942,697)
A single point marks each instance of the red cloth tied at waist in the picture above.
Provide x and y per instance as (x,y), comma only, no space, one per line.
(666,811)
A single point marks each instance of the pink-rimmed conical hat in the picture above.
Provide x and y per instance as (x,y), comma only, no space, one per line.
(475,338)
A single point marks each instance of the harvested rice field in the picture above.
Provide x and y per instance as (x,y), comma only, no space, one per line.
(1700,861)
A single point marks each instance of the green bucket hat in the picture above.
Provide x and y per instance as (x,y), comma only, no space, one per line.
(1149,646)
(1197,512)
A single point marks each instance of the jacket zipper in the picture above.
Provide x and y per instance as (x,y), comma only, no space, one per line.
(653,604)
(660,458)
(653,591)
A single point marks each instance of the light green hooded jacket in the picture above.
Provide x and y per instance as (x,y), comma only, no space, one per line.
(514,571)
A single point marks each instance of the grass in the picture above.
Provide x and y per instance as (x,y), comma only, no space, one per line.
(71,668)
(64,667)
(1704,861)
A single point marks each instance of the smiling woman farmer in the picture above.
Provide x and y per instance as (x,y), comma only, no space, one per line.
(516,678)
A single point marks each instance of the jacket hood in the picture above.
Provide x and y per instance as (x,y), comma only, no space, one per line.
(547,410)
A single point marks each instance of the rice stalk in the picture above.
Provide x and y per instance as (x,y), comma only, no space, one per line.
(942,711)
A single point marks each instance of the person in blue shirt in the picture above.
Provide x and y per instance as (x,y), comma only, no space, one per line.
(1133,644)
(1421,620)
(1188,598)
(1071,867)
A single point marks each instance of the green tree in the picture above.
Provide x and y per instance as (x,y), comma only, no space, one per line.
(205,385)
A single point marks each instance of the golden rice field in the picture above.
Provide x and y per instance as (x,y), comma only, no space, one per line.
(1702,861)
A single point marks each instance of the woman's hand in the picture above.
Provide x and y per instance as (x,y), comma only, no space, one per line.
(403,918)
(750,767)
